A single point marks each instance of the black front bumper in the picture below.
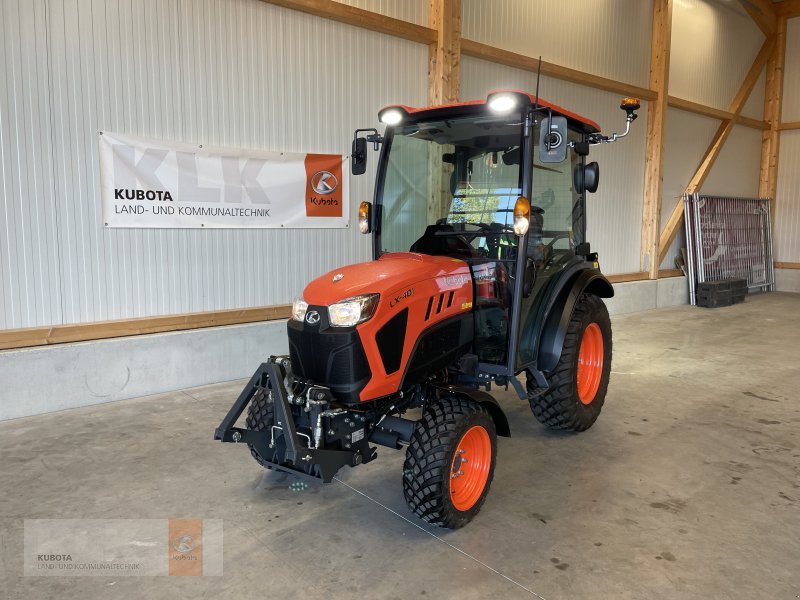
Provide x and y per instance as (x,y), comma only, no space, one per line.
(282,447)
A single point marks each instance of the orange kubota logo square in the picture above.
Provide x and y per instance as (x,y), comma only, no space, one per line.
(323,185)
(185,547)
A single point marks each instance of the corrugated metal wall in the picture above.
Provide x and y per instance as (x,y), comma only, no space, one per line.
(233,72)
(787,209)
(713,46)
(604,37)
(615,211)
(413,11)
(791,81)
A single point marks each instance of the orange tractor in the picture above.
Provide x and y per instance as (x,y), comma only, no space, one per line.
(481,273)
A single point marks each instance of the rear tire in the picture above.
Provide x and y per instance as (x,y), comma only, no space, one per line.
(260,417)
(579,382)
(450,462)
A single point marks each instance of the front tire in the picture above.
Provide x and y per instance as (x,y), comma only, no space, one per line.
(260,417)
(579,382)
(450,462)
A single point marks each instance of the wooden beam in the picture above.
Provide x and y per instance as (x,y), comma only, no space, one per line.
(359,17)
(716,113)
(698,109)
(752,123)
(789,126)
(444,56)
(762,13)
(773,97)
(528,63)
(787,265)
(654,146)
(715,147)
(788,9)
(82,332)
(665,273)
(624,277)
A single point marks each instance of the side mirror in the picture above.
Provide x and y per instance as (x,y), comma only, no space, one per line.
(553,140)
(587,178)
(358,156)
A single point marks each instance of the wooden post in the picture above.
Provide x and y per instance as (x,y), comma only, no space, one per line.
(773,96)
(715,147)
(656,120)
(444,57)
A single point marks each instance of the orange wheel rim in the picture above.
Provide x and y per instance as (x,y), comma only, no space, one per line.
(590,363)
(470,468)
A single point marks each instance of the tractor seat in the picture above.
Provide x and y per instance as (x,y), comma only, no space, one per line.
(443,245)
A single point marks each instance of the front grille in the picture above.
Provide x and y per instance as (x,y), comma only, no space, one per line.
(330,357)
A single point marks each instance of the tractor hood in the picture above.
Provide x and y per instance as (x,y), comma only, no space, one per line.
(389,273)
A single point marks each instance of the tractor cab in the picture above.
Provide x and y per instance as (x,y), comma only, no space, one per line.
(499,184)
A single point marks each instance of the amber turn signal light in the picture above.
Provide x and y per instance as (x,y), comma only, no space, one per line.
(363,217)
(522,215)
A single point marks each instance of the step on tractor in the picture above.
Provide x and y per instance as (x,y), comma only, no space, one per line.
(481,272)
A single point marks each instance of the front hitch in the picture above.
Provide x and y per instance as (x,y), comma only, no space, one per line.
(280,446)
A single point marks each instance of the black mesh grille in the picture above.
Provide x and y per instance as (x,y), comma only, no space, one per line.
(330,357)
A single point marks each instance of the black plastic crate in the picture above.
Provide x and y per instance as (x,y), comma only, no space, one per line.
(714,300)
(721,285)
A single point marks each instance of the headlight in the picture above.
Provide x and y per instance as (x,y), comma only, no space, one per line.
(299,308)
(352,311)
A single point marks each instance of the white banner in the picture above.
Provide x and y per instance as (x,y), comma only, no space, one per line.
(152,183)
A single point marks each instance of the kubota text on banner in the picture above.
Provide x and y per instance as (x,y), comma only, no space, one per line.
(155,183)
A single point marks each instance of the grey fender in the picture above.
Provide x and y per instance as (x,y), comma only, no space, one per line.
(484,399)
(556,321)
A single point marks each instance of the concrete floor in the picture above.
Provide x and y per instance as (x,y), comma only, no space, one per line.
(688,486)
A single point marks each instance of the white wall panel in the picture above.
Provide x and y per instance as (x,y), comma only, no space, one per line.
(29,233)
(604,37)
(413,11)
(614,213)
(228,72)
(713,47)
(787,205)
(686,138)
(754,107)
(738,166)
(791,79)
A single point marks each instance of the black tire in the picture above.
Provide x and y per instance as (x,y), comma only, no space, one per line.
(260,417)
(561,406)
(430,461)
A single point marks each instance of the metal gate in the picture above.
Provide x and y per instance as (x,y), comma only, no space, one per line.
(728,238)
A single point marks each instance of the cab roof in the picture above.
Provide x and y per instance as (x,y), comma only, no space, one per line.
(469,106)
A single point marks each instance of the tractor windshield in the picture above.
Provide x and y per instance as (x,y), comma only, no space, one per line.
(449,187)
